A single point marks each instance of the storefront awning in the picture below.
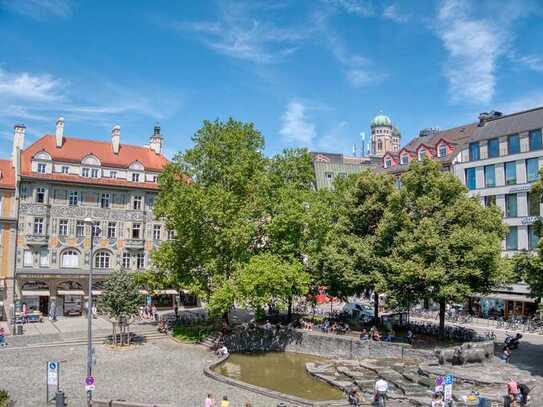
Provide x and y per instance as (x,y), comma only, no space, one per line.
(169,291)
(71,292)
(97,292)
(507,297)
(35,293)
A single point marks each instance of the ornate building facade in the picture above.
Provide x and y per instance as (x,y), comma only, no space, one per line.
(68,185)
(385,137)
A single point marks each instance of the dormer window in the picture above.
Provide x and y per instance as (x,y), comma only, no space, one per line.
(404,159)
(442,150)
(94,173)
(422,154)
(85,172)
(113,174)
(42,168)
(135,177)
(64,169)
(388,163)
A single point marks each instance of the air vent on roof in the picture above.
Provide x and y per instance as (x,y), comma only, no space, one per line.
(431,131)
(487,116)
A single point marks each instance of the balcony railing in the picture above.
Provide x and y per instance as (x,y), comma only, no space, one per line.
(37,240)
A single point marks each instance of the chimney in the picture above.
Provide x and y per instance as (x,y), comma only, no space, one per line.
(116,138)
(18,142)
(59,133)
(156,140)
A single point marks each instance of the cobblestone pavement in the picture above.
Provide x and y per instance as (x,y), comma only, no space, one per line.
(161,371)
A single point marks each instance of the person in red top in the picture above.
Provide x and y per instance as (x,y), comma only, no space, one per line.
(512,390)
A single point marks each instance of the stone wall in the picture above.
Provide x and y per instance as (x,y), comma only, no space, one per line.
(114,403)
(257,339)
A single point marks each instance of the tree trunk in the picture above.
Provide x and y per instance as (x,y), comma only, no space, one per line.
(376,308)
(225,318)
(289,309)
(442,304)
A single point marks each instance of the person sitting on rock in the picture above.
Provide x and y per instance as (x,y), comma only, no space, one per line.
(355,397)
(364,336)
(222,351)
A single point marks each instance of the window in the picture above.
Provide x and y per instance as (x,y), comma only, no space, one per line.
(105,200)
(44,258)
(490,200)
(171,234)
(511,240)
(42,168)
(156,232)
(533,237)
(422,154)
(493,148)
(64,169)
(73,198)
(23,192)
(511,173)
(513,144)
(532,169)
(151,199)
(329,176)
(70,258)
(536,143)
(136,229)
(135,177)
(534,208)
(126,260)
(85,172)
(154,178)
(379,144)
(442,151)
(490,176)
(101,260)
(28,258)
(511,205)
(38,226)
(404,159)
(474,152)
(388,163)
(140,260)
(96,231)
(113,174)
(40,195)
(94,173)
(136,204)
(63,227)
(111,230)
(80,228)
(470,178)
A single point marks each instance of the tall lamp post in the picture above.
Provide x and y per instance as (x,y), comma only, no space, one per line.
(90,223)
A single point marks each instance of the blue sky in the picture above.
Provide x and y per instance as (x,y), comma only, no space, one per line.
(307,73)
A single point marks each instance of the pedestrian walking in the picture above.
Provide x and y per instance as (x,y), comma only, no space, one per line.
(3,342)
(94,311)
(53,311)
(209,402)
(225,402)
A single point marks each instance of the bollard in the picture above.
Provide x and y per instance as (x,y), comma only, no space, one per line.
(60,399)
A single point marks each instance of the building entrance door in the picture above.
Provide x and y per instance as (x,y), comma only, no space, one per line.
(44,305)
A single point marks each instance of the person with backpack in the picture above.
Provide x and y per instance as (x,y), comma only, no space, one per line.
(524,391)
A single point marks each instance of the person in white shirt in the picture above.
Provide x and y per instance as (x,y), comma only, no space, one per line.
(381,388)
(222,351)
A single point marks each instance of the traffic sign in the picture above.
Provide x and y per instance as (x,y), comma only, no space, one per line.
(52,373)
(449,379)
(439,380)
(90,383)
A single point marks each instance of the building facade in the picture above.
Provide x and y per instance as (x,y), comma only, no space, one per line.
(385,137)
(68,185)
(499,164)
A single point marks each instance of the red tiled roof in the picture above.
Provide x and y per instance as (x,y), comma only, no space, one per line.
(77,179)
(7,174)
(74,150)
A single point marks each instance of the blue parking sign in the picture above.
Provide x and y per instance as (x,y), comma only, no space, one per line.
(449,379)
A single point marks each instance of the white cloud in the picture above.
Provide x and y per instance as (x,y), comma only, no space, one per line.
(295,125)
(526,102)
(239,35)
(29,87)
(474,45)
(533,62)
(359,7)
(360,78)
(391,13)
(39,9)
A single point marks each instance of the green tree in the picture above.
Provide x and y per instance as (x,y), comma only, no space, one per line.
(445,245)
(268,279)
(354,257)
(120,299)
(209,197)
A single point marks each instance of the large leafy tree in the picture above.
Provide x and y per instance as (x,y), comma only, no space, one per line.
(446,246)
(209,197)
(353,258)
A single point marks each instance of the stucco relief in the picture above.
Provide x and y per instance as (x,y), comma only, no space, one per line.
(33,209)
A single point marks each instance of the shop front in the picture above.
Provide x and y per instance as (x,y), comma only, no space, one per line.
(35,298)
(70,298)
(503,305)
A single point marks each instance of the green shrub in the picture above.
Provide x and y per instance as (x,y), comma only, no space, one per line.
(4,398)
(191,333)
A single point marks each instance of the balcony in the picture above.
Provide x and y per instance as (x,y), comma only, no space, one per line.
(37,240)
(135,244)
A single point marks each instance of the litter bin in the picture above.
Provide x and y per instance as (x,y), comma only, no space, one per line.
(60,399)
(18,329)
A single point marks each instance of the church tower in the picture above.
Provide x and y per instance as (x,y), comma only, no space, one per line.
(385,137)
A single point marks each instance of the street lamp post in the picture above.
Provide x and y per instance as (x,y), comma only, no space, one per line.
(89,221)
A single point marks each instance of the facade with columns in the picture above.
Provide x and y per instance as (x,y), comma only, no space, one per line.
(61,182)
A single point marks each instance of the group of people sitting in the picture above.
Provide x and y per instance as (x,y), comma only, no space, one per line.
(356,397)
(375,335)
(517,393)
(335,327)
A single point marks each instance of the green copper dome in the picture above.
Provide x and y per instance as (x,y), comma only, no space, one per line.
(381,120)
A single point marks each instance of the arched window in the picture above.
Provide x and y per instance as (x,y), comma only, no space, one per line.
(70,258)
(102,260)
(379,145)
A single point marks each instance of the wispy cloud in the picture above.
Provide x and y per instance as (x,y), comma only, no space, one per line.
(359,7)
(30,87)
(529,101)
(296,126)
(239,34)
(39,9)
(533,62)
(474,45)
(391,12)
